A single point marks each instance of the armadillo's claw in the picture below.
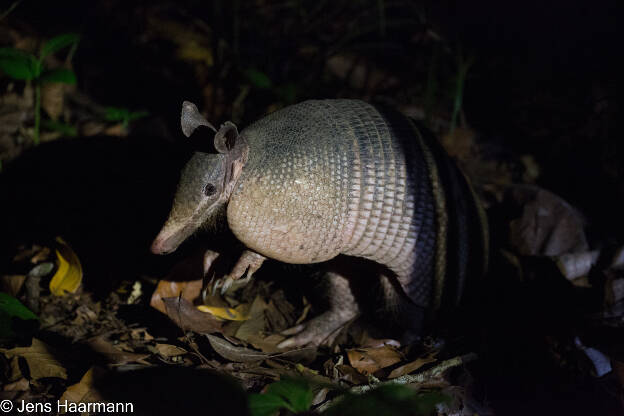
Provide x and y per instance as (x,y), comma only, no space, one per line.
(227,282)
(249,262)
(231,283)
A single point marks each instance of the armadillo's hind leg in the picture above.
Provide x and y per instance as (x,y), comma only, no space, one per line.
(406,316)
(323,329)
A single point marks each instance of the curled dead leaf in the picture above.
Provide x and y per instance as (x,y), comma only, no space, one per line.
(168,350)
(412,366)
(234,353)
(187,317)
(548,225)
(12,284)
(239,313)
(84,391)
(369,360)
(114,355)
(68,276)
(170,289)
(41,360)
(52,99)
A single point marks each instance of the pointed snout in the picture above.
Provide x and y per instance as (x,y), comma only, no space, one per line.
(160,245)
(170,237)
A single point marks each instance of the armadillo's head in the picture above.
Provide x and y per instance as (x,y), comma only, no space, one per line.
(206,183)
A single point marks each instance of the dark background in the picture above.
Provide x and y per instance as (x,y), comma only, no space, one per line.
(542,83)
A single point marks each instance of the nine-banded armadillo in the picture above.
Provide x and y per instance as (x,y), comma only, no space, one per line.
(323,178)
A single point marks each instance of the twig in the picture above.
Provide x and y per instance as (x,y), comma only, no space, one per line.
(408,378)
(10,9)
(420,377)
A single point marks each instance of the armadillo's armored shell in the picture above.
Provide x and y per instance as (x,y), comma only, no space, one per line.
(344,177)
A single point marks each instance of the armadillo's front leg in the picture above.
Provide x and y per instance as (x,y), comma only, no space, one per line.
(323,329)
(249,261)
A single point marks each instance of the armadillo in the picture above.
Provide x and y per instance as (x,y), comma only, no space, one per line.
(328,178)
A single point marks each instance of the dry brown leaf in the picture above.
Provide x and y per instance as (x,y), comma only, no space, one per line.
(118,130)
(40,359)
(233,353)
(303,355)
(91,128)
(83,391)
(41,255)
(350,374)
(268,343)
(86,314)
(186,316)
(413,366)
(20,385)
(370,360)
(141,334)
(12,284)
(26,253)
(114,355)
(52,98)
(548,226)
(169,289)
(168,350)
(14,372)
(256,324)
(460,144)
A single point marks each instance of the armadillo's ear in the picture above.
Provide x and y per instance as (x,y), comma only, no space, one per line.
(226,137)
(191,119)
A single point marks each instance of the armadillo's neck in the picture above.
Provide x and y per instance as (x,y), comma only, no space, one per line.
(236,161)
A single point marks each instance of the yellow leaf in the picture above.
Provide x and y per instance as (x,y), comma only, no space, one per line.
(68,276)
(194,51)
(240,313)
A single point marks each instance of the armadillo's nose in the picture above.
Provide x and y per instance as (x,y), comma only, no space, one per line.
(159,246)
(171,236)
(165,242)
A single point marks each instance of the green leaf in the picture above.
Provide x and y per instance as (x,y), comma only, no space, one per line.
(123,114)
(296,392)
(266,404)
(394,400)
(64,75)
(18,64)
(116,113)
(14,308)
(137,114)
(65,129)
(258,79)
(57,43)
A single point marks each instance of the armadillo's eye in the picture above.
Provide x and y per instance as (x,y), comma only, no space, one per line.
(209,189)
